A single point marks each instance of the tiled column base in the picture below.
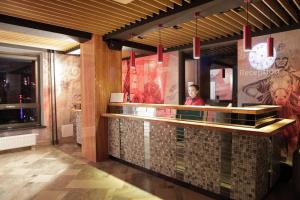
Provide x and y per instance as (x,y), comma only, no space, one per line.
(233,165)
(202,159)
(250,165)
(77,126)
(132,141)
(163,149)
(114,137)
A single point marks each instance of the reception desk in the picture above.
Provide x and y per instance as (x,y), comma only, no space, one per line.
(226,151)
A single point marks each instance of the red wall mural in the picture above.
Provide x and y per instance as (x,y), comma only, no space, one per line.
(273,80)
(150,82)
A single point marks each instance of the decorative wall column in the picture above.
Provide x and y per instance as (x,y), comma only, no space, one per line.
(101,74)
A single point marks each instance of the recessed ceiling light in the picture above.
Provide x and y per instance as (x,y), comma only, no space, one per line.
(124,1)
(177,27)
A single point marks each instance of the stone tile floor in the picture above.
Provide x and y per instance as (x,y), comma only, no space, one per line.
(49,173)
(60,172)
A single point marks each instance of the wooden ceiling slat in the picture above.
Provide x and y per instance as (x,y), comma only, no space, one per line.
(297,3)
(152,42)
(102,9)
(213,26)
(264,10)
(289,9)
(230,21)
(190,34)
(130,7)
(191,28)
(204,29)
(104,16)
(35,41)
(182,34)
(54,21)
(154,4)
(166,37)
(35,6)
(142,5)
(238,19)
(116,8)
(276,8)
(63,15)
(178,2)
(166,3)
(223,24)
(251,19)
(94,17)
(257,15)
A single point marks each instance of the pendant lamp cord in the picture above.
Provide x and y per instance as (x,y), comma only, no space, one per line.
(247,5)
(159,35)
(196,19)
(131,37)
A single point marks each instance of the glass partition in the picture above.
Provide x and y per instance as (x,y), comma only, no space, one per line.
(207,114)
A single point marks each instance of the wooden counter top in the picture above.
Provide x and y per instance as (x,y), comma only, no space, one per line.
(265,131)
(260,109)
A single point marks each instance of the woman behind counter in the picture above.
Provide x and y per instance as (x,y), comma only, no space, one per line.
(193,98)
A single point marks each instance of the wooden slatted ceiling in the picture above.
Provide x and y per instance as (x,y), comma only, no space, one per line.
(105,16)
(263,15)
(35,41)
(95,16)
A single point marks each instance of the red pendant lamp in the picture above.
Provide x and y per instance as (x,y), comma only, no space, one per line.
(270,46)
(247,33)
(132,55)
(196,40)
(160,54)
(132,58)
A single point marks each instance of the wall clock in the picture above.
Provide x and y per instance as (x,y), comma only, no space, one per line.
(258,58)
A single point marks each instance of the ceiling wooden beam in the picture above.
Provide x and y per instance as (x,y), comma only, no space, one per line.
(251,20)
(289,9)
(79,36)
(267,12)
(297,3)
(257,15)
(276,8)
(178,15)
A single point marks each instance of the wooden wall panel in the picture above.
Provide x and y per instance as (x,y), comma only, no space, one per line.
(100,75)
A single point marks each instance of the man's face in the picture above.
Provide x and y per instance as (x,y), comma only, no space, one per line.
(192,92)
(281,61)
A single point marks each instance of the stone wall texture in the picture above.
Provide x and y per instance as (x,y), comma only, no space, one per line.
(202,159)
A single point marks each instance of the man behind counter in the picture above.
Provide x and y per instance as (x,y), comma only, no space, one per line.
(193,98)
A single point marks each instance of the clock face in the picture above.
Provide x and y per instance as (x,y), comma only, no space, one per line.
(258,57)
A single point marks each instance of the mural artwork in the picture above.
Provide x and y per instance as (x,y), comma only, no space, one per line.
(150,82)
(275,80)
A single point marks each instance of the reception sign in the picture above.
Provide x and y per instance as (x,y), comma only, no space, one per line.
(274,80)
